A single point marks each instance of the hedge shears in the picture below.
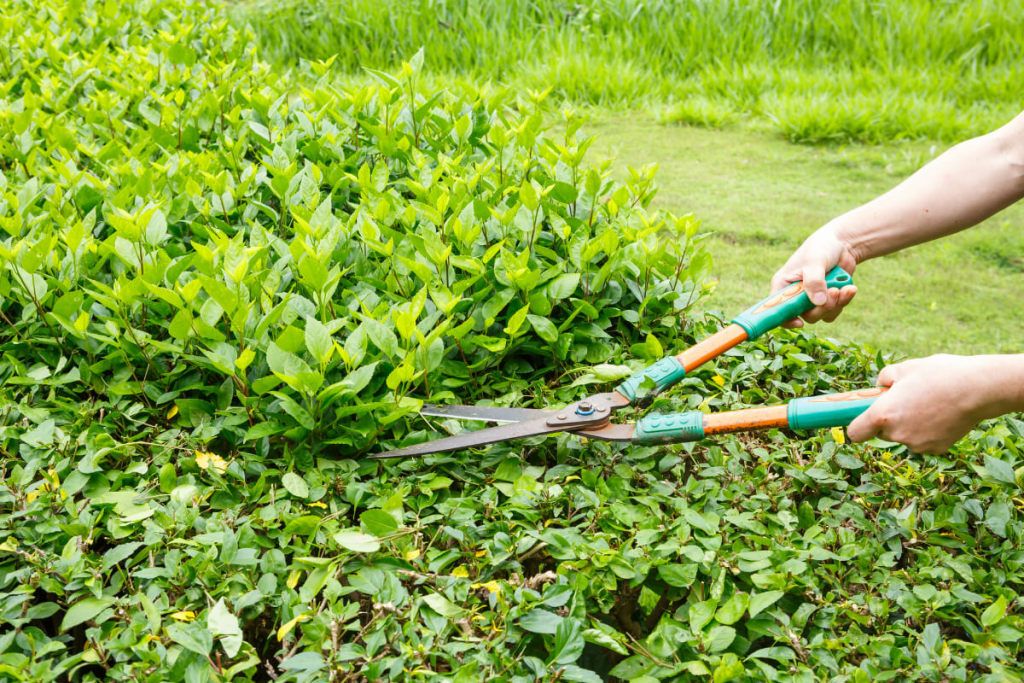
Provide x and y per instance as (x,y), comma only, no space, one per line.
(591,417)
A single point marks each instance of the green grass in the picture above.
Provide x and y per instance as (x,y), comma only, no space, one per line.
(761,196)
(814,70)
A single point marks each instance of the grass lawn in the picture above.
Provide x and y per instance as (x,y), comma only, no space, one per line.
(761,196)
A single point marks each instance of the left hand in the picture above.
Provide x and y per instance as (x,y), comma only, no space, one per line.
(933,402)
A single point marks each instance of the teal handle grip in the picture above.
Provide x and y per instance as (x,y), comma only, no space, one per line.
(671,428)
(665,373)
(830,410)
(784,305)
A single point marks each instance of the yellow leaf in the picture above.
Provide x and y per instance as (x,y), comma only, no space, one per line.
(572,477)
(411,554)
(172,412)
(205,460)
(284,630)
(481,553)
(461,572)
(187,615)
(719,380)
(838,436)
(492,586)
(10,545)
(317,504)
(32,495)
(293,579)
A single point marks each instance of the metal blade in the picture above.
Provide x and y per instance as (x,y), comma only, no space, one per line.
(515,430)
(485,414)
(610,432)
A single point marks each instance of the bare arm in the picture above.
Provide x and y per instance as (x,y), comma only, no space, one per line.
(959,189)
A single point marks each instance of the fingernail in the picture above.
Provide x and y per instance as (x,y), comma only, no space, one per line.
(819,298)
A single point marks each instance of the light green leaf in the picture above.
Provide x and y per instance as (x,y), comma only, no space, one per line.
(378,522)
(295,485)
(356,541)
(442,605)
(318,340)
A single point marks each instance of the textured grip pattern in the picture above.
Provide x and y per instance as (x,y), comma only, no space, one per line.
(672,428)
(830,410)
(785,304)
(665,373)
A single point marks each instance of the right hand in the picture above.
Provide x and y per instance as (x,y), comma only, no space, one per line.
(819,253)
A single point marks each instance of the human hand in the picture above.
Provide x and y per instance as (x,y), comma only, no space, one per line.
(934,401)
(810,262)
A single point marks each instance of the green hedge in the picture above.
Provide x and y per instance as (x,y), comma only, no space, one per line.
(219,292)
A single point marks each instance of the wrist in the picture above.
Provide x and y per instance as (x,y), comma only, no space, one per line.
(849,236)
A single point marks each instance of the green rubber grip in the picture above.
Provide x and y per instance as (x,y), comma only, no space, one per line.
(672,428)
(784,305)
(665,373)
(829,410)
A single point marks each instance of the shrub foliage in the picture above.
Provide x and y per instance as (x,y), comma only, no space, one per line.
(219,292)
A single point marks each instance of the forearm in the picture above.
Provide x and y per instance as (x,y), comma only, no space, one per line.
(1001,380)
(961,188)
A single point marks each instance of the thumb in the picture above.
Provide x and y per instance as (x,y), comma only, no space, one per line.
(866,426)
(814,284)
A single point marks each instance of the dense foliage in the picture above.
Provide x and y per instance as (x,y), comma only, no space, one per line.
(814,70)
(220,292)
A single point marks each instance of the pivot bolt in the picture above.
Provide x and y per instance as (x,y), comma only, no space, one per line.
(584,408)
(562,416)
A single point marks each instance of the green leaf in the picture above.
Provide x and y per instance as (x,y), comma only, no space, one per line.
(603,636)
(1000,470)
(295,485)
(678,575)
(733,608)
(730,668)
(544,328)
(84,610)
(290,406)
(563,286)
(443,606)
(701,614)
(318,340)
(719,638)
(994,613)
(762,601)
(569,643)
(632,667)
(356,541)
(378,522)
(118,553)
(193,637)
(540,621)
(221,622)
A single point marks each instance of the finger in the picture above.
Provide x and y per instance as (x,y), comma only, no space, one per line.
(819,312)
(814,283)
(842,299)
(794,324)
(783,278)
(865,427)
(891,374)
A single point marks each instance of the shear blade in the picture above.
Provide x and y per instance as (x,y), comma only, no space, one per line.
(506,432)
(484,413)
